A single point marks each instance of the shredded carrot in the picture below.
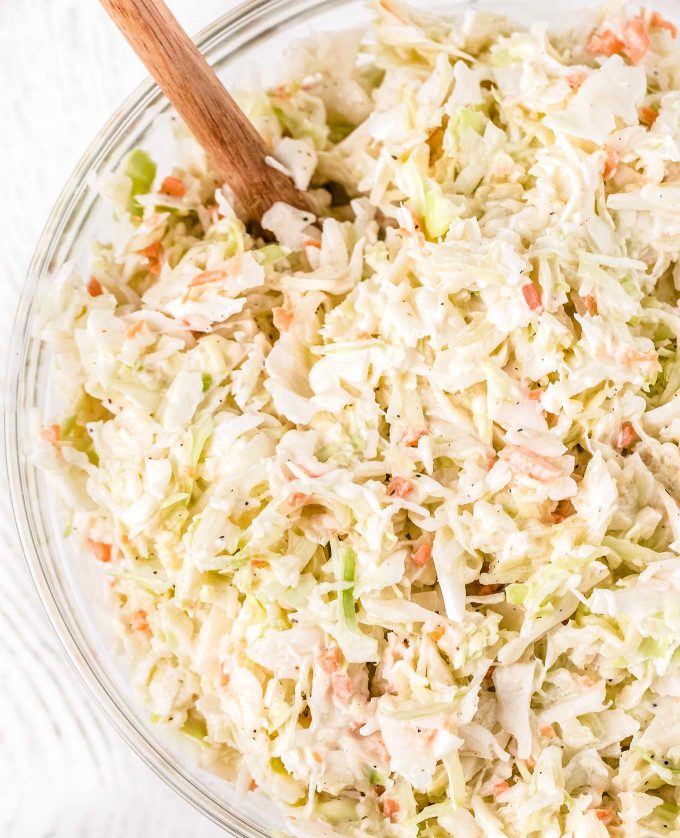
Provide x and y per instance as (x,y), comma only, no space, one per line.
(606,816)
(604,43)
(52,433)
(293,476)
(535,394)
(94,288)
(422,555)
(214,212)
(412,436)
(500,788)
(575,80)
(548,731)
(300,499)
(590,304)
(630,358)
(611,161)
(311,243)
(648,116)
(658,21)
(206,277)
(258,563)
(252,785)
(625,436)
(532,296)
(486,590)
(224,679)
(138,621)
(100,550)
(390,809)
(635,39)
(437,633)
(316,756)
(525,461)
(283,319)
(135,329)
(342,686)
(331,660)
(153,253)
(173,186)
(399,486)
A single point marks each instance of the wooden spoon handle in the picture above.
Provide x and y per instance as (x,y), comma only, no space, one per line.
(236,149)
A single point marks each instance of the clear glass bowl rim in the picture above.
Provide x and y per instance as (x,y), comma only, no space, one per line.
(232,33)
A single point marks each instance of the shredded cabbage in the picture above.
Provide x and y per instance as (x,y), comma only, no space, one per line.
(389,506)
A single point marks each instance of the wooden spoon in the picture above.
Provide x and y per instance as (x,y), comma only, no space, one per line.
(234,146)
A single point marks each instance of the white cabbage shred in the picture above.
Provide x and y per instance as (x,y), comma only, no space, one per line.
(389,505)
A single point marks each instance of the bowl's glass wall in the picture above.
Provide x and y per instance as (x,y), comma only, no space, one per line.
(244,45)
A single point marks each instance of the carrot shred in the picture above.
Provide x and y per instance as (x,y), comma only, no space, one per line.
(341,685)
(135,329)
(412,436)
(173,186)
(153,253)
(626,436)
(283,318)
(422,555)
(648,116)
(390,809)
(100,550)
(575,80)
(590,304)
(94,288)
(604,42)
(605,816)
(635,39)
(658,21)
(399,486)
(206,277)
(532,296)
(51,433)
(500,788)
(437,633)
(611,161)
(138,621)
(331,660)
(259,563)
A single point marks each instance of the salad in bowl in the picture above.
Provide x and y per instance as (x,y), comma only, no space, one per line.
(386,493)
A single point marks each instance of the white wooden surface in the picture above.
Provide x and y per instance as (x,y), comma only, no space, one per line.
(63,772)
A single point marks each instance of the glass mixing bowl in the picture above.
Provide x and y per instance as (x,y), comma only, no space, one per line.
(71,590)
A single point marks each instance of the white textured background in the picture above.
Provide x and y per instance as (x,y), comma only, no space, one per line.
(63,772)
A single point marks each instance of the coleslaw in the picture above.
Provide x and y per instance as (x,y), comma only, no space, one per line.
(387,492)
